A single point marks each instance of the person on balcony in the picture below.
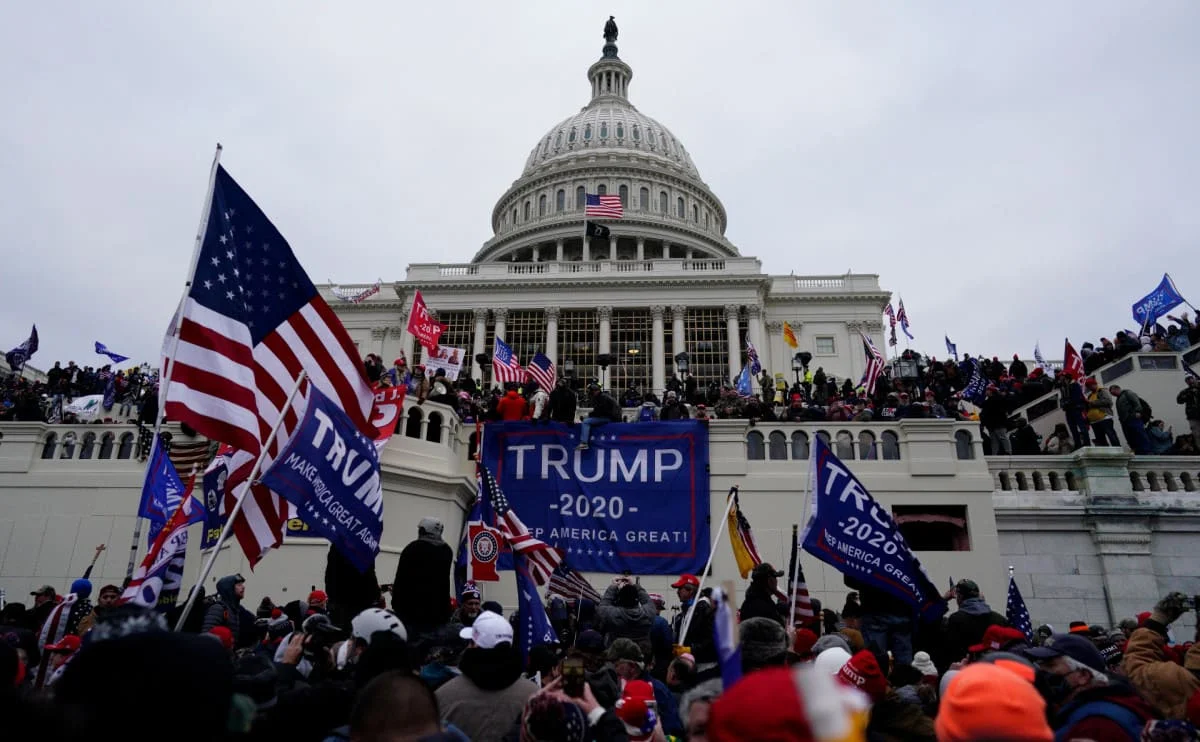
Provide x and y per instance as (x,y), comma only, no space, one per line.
(1059,442)
(993,415)
(1133,413)
(604,411)
(1100,414)
(1073,404)
(512,406)
(674,409)
(1190,399)
(563,402)
(1161,437)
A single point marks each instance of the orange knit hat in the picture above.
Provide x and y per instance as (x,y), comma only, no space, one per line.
(986,701)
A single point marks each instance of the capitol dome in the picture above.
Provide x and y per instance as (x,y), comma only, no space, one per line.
(608,147)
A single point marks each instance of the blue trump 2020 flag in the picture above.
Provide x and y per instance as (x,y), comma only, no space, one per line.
(330,472)
(17,357)
(851,532)
(162,492)
(977,387)
(534,627)
(103,350)
(1158,302)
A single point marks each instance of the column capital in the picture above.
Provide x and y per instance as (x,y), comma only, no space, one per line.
(873,325)
(657,311)
(378,333)
(480,314)
(856,326)
(396,330)
(604,313)
(500,314)
(731,311)
(774,326)
(753,311)
(678,311)
(552,314)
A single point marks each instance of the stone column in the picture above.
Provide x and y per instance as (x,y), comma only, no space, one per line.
(587,249)
(658,372)
(558,250)
(641,253)
(552,335)
(612,248)
(780,362)
(500,315)
(731,334)
(678,341)
(754,314)
(666,250)
(378,344)
(477,343)
(605,338)
(535,253)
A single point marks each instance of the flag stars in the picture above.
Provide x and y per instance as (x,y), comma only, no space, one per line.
(221,278)
(222,239)
(236,272)
(208,284)
(229,295)
(216,261)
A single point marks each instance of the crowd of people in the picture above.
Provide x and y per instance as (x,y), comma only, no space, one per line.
(340,665)
(123,392)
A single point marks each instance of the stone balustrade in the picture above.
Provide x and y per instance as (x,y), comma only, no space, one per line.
(435,272)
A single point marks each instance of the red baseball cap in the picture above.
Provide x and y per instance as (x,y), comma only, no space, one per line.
(686,580)
(317,596)
(69,644)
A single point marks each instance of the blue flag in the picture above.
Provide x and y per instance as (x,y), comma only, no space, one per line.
(162,491)
(330,472)
(1158,302)
(725,638)
(214,492)
(977,386)
(17,357)
(951,348)
(110,390)
(744,388)
(103,350)
(851,532)
(534,629)
(1016,612)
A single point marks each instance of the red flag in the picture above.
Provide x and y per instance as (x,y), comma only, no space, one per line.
(389,403)
(485,548)
(1072,362)
(422,326)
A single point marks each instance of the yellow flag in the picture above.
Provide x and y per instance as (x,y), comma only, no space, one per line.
(789,337)
(741,551)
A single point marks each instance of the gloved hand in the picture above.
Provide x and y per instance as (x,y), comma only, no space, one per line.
(1169,609)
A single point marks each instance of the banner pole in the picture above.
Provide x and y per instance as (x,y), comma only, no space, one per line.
(687,620)
(237,507)
(165,381)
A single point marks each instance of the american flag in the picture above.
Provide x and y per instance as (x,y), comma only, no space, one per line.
(1016,612)
(902,318)
(890,313)
(541,370)
(569,583)
(603,205)
(801,601)
(505,366)
(250,322)
(875,364)
(752,359)
(543,558)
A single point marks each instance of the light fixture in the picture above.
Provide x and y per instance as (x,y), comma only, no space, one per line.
(569,368)
(633,350)
(682,362)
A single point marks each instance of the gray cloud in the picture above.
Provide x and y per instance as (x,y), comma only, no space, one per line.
(1016,172)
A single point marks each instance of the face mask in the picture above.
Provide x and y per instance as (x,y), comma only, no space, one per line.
(1053,687)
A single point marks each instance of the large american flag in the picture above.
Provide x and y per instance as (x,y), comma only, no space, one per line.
(875,364)
(541,370)
(543,558)
(505,366)
(250,322)
(604,206)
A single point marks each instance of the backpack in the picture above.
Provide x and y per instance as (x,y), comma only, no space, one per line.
(1131,722)
(1147,413)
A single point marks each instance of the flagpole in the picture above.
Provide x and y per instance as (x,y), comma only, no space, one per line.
(687,620)
(165,381)
(795,569)
(237,506)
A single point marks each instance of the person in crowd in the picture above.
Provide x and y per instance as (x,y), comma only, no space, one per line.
(629,662)
(604,410)
(966,626)
(760,596)
(1059,442)
(419,591)
(993,415)
(318,602)
(512,406)
(539,403)
(1100,414)
(661,638)
(469,606)
(1164,682)
(892,716)
(488,698)
(1074,406)
(45,598)
(394,706)
(226,609)
(885,622)
(1190,399)
(699,636)
(1160,438)
(1085,701)
(625,611)
(783,704)
(1024,439)
(986,701)
(106,600)
(563,402)
(674,409)
(1133,412)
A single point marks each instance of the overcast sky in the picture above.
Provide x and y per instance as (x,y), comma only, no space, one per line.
(1016,171)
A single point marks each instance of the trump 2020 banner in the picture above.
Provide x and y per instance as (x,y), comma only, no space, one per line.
(1158,302)
(330,472)
(637,499)
(851,532)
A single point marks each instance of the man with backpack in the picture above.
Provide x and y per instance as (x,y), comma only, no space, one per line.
(1133,412)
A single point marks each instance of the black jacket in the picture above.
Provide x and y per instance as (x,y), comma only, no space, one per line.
(562,405)
(604,406)
(675,411)
(993,412)
(965,628)
(700,632)
(759,603)
(421,590)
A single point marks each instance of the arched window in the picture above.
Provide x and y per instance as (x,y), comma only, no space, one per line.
(514,216)
(754,446)
(824,436)
(891,445)
(106,446)
(125,449)
(68,445)
(580,197)
(542,208)
(637,133)
(89,445)
(620,130)
(644,199)
(777,446)
(662,201)
(604,130)
(558,140)
(845,445)
(571,136)
(866,446)
(706,218)
(680,210)
(526,210)
(695,214)
(623,192)
(49,446)
(433,433)
(587,132)
(799,445)
(601,189)
(413,429)
(963,446)
(650,137)
(560,201)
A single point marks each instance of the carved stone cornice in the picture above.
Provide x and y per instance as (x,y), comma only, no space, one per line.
(656,312)
(775,325)
(856,326)
(873,325)
(396,331)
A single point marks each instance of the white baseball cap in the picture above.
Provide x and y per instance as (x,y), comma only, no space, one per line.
(488,630)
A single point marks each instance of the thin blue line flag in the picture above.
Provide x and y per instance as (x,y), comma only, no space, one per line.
(103,350)
(1016,612)
(1158,302)
(851,532)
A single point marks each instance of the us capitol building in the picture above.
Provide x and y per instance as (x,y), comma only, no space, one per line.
(1097,535)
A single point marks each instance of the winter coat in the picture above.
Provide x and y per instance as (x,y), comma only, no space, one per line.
(512,406)
(562,405)
(350,591)
(617,622)
(1112,712)
(1160,439)
(675,411)
(993,412)
(226,609)
(1018,370)
(700,631)
(421,589)
(539,405)
(894,719)
(488,698)
(759,603)
(1161,681)
(1129,405)
(605,407)
(965,629)
(1099,405)
(1190,399)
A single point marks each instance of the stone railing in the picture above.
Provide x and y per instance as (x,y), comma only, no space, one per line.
(433,272)
(1096,471)
(29,446)
(850,282)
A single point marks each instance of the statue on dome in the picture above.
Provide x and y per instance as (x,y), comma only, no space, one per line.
(610,30)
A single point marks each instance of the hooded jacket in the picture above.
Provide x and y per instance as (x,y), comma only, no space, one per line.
(512,406)
(759,603)
(421,589)
(562,405)
(1164,683)
(617,622)
(965,628)
(1105,712)
(896,719)
(225,610)
(488,698)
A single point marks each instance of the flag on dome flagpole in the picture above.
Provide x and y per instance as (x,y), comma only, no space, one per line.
(103,350)
(250,323)
(789,336)
(506,367)
(596,231)
(1015,611)
(1037,355)
(902,318)
(17,357)
(875,364)
(541,370)
(603,205)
